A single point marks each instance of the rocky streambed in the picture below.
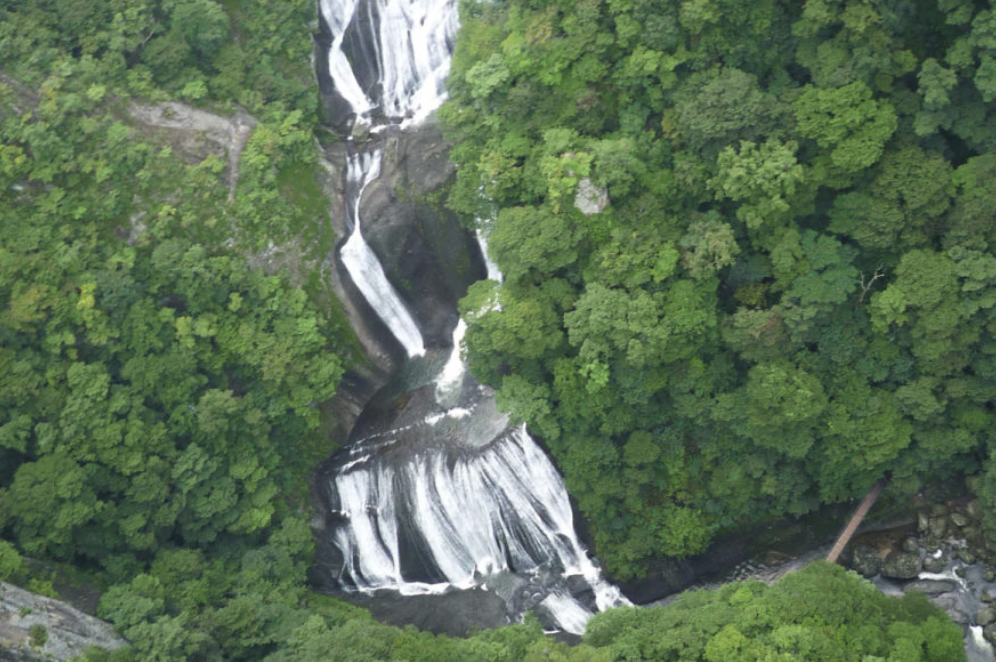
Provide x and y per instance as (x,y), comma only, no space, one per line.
(944,554)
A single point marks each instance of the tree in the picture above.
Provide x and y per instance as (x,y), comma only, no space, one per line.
(821,612)
(903,204)
(763,178)
(724,104)
(849,124)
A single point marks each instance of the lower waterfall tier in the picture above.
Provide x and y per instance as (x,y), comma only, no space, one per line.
(450,516)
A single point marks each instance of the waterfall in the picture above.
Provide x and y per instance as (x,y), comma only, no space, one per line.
(494,273)
(403,51)
(438,491)
(366,270)
(476,514)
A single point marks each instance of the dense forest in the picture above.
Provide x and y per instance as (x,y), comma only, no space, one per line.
(788,291)
(785,298)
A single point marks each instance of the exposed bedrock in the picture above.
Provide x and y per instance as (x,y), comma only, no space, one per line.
(427,255)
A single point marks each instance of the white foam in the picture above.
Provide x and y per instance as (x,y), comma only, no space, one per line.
(366,270)
(570,615)
(413,40)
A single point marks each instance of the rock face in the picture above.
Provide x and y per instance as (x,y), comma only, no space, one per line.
(427,255)
(455,613)
(67,631)
(335,110)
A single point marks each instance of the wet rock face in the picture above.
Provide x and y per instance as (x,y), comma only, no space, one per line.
(427,255)
(455,614)
(335,110)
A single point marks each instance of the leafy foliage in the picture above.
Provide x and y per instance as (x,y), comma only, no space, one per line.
(821,613)
(789,294)
(160,400)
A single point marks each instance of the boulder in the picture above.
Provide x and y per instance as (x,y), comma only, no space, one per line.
(901,565)
(935,562)
(911,545)
(952,605)
(985,615)
(866,561)
(937,526)
(965,555)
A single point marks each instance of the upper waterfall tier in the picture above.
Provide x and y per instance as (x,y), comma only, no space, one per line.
(391,56)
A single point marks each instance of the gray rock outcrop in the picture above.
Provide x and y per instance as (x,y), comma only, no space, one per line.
(66,631)
(590,199)
(428,256)
(195,134)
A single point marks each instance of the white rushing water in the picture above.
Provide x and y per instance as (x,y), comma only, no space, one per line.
(503,509)
(411,41)
(494,273)
(338,14)
(570,615)
(451,376)
(447,495)
(366,270)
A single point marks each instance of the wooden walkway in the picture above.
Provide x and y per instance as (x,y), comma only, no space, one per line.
(852,526)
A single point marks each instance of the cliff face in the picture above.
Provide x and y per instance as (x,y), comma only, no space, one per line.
(428,257)
(66,632)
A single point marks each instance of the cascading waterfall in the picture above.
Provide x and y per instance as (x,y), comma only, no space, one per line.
(441,493)
(502,508)
(366,270)
(401,54)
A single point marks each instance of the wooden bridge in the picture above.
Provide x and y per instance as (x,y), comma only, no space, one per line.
(852,526)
